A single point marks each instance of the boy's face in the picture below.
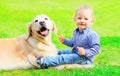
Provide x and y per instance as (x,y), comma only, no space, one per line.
(83,19)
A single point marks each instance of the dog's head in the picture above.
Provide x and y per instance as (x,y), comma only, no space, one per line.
(41,27)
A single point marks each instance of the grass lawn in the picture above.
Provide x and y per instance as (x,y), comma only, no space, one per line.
(16,14)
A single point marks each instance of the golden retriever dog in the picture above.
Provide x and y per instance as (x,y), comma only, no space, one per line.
(37,41)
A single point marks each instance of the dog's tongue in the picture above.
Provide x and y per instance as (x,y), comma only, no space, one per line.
(44,32)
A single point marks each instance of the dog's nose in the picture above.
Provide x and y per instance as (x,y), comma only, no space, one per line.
(41,22)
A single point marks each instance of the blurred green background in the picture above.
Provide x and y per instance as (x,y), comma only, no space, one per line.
(15,16)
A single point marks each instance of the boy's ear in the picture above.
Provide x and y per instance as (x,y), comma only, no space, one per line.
(92,21)
(74,18)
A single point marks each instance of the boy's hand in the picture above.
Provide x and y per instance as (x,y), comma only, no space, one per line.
(61,38)
(81,51)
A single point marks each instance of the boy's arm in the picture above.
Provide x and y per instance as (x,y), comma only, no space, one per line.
(94,42)
(68,42)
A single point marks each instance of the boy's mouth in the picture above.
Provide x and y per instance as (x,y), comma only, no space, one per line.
(82,24)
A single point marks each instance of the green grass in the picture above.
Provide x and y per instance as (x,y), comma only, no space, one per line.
(16,14)
(104,70)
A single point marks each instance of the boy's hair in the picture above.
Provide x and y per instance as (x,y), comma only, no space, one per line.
(83,7)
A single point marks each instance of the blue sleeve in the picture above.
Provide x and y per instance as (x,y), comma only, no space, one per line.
(94,43)
(70,42)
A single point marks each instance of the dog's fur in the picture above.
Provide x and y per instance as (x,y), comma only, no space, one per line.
(14,51)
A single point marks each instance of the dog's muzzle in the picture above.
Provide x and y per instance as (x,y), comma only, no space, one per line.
(43,31)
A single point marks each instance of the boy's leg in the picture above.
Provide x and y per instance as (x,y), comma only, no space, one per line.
(61,59)
(65,51)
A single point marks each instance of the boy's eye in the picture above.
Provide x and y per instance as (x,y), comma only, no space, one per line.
(86,18)
(79,17)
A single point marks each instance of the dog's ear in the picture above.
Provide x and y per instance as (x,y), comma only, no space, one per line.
(54,28)
(29,31)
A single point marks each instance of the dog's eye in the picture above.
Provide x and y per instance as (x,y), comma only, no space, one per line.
(46,18)
(36,20)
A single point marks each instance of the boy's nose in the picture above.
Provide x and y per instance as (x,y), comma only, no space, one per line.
(82,20)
